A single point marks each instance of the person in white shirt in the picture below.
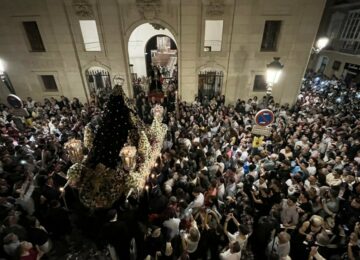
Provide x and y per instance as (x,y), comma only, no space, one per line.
(241,236)
(287,151)
(311,182)
(244,154)
(221,189)
(219,162)
(233,253)
(334,178)
(198,202)
(30,103)
(311,169)
(172,224)
(280,245)
(191,238)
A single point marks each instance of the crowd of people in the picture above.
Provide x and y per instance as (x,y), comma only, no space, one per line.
(216,192)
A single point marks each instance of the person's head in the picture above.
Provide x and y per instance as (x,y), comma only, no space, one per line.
(112,215)
(197,191)
(304,197)
(194,234)
(155,231)
(316,222)
(32,221)
(55,204)
(312,180)
(234,247)
(291,201)
(283,237)
(337,173)
(23,248)
(10,238)
(243,230)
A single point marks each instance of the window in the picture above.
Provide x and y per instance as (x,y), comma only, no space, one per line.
(259,83)
(90,35)
(271,36)
(336,65)
(352,26)
(49,83)
(34,37)
(213,35)
(210,84)
(350,34)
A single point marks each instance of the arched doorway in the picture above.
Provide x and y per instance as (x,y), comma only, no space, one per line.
(99,83)
(210,83)
(153,59)
(163,58)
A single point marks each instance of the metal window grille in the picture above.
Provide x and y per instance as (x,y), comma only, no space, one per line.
(98,80)
(210,84)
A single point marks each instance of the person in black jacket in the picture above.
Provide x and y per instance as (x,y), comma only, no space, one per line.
(117,234)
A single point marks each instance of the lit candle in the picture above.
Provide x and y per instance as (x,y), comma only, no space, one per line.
(147,190)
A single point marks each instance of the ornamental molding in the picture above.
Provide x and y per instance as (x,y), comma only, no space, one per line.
(215,8)
(149,9)
(83,9)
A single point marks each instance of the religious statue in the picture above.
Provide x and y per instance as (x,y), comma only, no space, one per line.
(121,156)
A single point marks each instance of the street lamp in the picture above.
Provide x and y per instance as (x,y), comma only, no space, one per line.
(5,78)
(321,43)
(273,72)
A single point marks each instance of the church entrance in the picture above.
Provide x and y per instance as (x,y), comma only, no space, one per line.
(153,59)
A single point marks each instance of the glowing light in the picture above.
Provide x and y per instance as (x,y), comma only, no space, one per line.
(273,71)
(338,99)
(321,43)
(2,67)
(61,189)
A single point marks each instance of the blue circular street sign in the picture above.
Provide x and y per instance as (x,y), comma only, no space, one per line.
(264,117)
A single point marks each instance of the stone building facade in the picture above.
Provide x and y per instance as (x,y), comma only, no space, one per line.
(240,58)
